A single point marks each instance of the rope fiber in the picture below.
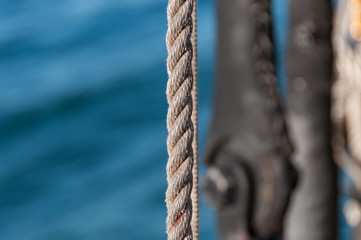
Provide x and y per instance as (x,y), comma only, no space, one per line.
(181,94)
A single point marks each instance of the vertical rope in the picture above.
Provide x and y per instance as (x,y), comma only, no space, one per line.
(195,190)
(266,72)
(346,91)
(179,119)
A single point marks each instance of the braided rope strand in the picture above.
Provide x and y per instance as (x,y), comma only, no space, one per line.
(179,119)
(266,73)
(346,91)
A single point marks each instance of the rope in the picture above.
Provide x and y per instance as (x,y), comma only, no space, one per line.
(195,190)
(179,119)
(346,91)
(266,74)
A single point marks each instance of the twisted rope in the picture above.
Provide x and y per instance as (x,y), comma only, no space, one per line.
(346,91)
(263,50)
(179,119)
(195,190)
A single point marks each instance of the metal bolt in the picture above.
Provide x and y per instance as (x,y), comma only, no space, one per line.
(305,34)
(218,188)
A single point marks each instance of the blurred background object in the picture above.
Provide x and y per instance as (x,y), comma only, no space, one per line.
(346,104)
(82,117)
(248,141)
(312,214)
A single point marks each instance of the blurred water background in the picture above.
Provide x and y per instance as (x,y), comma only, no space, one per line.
(82,117)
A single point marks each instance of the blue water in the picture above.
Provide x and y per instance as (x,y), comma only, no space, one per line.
(82,117)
